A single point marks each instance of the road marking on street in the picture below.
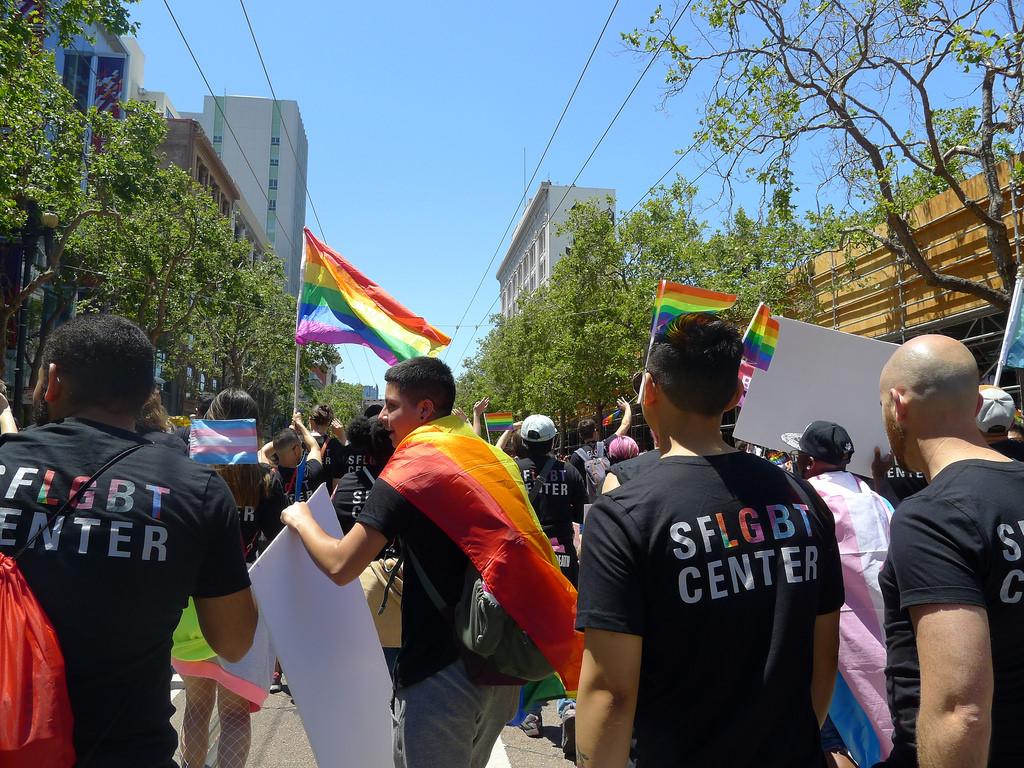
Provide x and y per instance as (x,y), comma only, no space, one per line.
(499,757)
(177,686)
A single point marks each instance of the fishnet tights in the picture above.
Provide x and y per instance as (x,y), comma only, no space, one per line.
(235,729)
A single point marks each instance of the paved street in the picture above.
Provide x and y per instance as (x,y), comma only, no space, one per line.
(280,742)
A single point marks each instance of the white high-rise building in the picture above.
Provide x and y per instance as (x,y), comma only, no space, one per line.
(275,188)
(537,245)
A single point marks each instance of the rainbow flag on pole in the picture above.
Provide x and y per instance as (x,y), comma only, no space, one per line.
(225,441)
(474,493)
(607,422)
(499,421)
(338,304)
(675,299)
(761,338)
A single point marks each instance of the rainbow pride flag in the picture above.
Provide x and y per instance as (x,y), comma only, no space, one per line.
(674,299)
(474,493)
(607,422)
(761,338)
(338,304)
(225,441)
(499,421)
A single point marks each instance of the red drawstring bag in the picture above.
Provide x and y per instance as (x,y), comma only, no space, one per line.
(36,721)
(35,711)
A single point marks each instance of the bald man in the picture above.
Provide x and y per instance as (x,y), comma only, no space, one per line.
(953,584)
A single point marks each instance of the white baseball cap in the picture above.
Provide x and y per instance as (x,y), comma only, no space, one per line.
(997,410)
(538,429)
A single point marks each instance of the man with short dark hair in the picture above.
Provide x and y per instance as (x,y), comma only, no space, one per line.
(710,586)
(329,434)
(286,452)
(114,573)
(591,458)
(952,583)
(450,705)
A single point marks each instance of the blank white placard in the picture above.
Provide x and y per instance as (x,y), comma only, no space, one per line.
(818,373)
(329,650)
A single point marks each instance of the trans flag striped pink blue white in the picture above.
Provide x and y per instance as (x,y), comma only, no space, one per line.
(226,441)
(859,710)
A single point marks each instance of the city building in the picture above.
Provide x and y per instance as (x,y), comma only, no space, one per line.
(537,244)
(371,392)
(275,186)
(187,146)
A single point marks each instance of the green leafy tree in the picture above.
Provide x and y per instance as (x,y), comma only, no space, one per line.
(856,92)
(345,399)
(573,345)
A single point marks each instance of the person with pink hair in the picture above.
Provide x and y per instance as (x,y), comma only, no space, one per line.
(622,447)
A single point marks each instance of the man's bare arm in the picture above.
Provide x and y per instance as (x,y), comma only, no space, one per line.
(312,449)
(954,723)
(341,559)
(826,663)
(627,417)
(607,698)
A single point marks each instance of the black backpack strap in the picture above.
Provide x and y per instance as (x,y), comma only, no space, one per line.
(389,586)
(73,500)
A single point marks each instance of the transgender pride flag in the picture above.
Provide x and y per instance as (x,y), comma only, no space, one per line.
(226,441)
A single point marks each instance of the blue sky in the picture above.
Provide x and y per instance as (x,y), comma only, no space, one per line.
(417,115)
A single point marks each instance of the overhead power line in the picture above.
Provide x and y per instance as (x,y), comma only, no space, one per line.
(597,145)
(527,186)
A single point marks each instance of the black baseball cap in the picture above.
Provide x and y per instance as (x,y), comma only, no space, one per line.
(823,440)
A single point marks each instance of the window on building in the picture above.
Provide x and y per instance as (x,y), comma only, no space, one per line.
(218,139)
(275,141)
(274,162)
(272,205)
(272,184)
(77,68)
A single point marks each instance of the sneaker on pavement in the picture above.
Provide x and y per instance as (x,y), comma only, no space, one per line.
(569,733)
(275,684)
(532,726)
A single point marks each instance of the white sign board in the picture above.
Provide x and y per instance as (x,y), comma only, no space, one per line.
(328,648)
(818,373)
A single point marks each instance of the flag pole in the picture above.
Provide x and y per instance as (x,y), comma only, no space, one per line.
(1012,323)
(650,343)
(298,312)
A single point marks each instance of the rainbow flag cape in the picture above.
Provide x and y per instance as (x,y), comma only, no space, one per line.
(499,421)
(675,299)
(611,417)
(761,338)
(338,304)
(475,494)
(227,441)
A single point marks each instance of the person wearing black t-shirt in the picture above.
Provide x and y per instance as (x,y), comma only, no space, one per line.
(953,583)
(558,494)
(591,458)
(370,440)
(710,587)
(445,714)
(289,447)
(563,493)
(114,574)
(330,437)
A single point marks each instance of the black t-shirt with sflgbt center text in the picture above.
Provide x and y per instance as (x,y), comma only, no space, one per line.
(959,541)
(723,569)
(558,503)
(311,480)
(351,495)
(113,578)
(265,518)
